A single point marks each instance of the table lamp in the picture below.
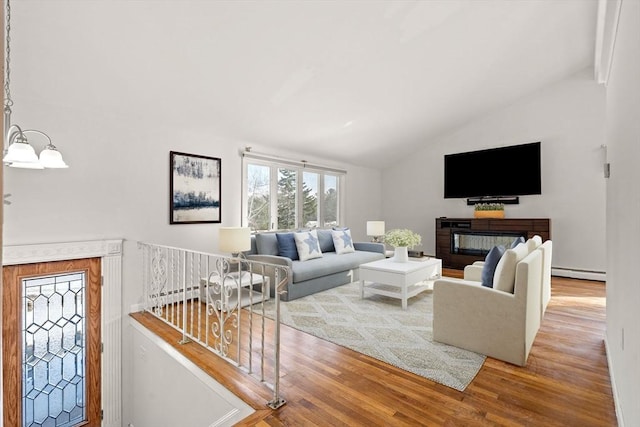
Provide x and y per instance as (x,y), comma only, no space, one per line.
(375,229)
(234,240)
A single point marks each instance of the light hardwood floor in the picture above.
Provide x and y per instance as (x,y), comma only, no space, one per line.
(565,382)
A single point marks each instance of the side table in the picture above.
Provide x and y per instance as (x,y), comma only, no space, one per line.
(232,282)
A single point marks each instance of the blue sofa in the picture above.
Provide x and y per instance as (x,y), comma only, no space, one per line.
(318,274)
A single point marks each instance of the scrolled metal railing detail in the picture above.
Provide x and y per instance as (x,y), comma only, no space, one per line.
(158,282)
(212,300)
(220,304)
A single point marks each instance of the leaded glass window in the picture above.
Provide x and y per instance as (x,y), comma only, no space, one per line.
(54,350)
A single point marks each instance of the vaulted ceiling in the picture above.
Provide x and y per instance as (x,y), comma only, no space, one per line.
(363,82)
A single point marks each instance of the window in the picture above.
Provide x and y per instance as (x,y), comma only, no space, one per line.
(259,196)
(282,195)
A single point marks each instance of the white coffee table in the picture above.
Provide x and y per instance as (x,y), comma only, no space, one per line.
(401,280)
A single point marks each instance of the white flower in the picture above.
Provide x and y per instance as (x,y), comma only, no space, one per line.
(402,237)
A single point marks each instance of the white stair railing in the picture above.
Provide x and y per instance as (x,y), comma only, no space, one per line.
(217,302)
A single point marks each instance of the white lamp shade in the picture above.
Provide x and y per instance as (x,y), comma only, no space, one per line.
(52,159)
(234,239)
(23,165)
(20,152)
(375,228)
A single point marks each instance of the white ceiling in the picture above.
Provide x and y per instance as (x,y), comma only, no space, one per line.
(362,82)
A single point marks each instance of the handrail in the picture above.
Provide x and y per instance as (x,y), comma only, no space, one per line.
(207,296)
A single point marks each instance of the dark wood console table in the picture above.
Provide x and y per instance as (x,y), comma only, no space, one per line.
(461,241)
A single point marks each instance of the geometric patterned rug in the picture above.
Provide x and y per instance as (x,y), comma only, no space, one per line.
(378,327)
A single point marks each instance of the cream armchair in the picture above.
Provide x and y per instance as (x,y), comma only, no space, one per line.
(473,271)
(500,322)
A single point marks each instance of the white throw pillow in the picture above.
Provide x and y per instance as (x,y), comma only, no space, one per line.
(342,241)
(533,243)
(504,278)
(308,245)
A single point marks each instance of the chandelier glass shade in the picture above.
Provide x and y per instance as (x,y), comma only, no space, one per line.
(20,153)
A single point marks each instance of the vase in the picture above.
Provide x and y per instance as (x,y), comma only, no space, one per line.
(401,254)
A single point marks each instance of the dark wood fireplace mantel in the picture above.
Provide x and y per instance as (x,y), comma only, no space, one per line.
(450,232)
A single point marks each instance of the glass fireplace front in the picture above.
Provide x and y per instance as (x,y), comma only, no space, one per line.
(480,243)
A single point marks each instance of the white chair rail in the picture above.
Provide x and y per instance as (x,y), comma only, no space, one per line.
(216,301)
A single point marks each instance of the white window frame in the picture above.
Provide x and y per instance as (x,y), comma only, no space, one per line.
(275,163)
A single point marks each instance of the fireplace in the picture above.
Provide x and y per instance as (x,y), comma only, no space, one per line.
(479,243)
(462,241)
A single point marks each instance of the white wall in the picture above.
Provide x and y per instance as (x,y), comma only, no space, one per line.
(110,194)
(623,220)
(169,390)
(118,182)
(568,118)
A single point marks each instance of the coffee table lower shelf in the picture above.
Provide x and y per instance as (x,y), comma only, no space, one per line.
(394,291)
(399,280)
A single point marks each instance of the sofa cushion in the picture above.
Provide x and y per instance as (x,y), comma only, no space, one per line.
(267,244)
(505,275)
(330,263)
(490,264)
(342,241)
(326,241)
(308,245)
(287,245)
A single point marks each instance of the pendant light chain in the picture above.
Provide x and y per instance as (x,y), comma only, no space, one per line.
(8,102)
(19,153)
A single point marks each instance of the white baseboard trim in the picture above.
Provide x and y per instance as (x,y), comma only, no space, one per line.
(614,388)
(600,276)
(171,299)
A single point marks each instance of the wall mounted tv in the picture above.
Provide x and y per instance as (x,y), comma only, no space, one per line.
(505,171)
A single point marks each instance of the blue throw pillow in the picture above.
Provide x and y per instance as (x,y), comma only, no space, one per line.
(326,241)
(267,244)
(287,246)
(516,242)
(490,263)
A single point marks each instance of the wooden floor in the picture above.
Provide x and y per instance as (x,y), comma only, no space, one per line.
(565,383)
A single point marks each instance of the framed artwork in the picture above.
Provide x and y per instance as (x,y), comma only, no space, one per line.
(195,189)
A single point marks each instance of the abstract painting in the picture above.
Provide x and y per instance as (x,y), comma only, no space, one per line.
(195,189)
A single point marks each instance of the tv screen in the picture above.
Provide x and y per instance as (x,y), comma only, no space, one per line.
(504,171)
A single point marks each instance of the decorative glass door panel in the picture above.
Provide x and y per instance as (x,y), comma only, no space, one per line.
(53,350)
(51,344)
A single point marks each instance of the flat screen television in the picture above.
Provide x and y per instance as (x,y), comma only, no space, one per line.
(505,171)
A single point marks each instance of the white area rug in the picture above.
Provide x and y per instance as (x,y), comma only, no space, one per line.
(378,327)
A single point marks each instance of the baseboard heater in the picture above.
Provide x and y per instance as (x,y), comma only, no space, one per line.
(573,273)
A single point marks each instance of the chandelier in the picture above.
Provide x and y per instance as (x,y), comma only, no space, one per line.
(20,153)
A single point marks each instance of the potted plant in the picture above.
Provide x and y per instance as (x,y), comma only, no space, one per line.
(402,239)
(488,210)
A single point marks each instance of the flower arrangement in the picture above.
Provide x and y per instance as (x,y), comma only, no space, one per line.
(402,237)
(489,207)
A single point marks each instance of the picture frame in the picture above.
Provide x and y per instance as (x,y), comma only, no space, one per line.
(194,188)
